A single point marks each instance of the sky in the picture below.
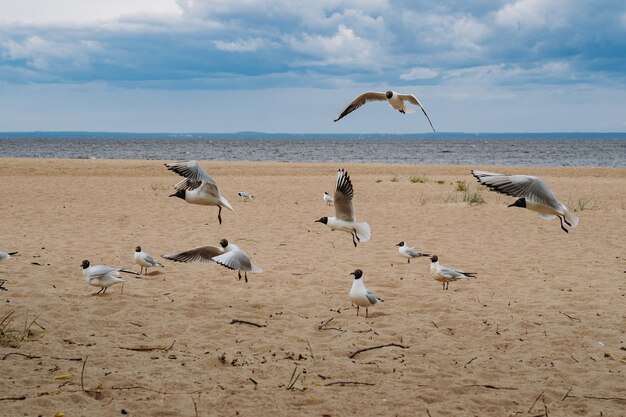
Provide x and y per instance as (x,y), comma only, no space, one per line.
(291,66)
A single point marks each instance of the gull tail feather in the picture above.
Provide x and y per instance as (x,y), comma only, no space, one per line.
(363,231)
(570,217)
(226,204)
(255,268)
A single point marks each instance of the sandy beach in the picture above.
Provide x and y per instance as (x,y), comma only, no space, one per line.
(541,331)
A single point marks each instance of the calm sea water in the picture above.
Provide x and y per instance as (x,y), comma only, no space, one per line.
(470,151)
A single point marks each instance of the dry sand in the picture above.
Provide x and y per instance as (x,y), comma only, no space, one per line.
(540,332)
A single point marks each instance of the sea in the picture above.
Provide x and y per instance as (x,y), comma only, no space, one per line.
(523,149)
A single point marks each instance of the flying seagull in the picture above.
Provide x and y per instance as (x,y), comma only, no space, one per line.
(344,218)
(360,295)
(237,260)
(202,254)
(533,195)
(198,187)
(446,275)
(409,252)
(395,100)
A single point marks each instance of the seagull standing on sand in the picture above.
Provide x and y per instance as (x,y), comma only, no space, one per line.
(7,255)
(409,252)
(446,275)
(344,218)
(328,198)
(395,100)
(202,254)
(245,196)
(198,187)
(360,295)
(533,195)
(144,260)
(101,276)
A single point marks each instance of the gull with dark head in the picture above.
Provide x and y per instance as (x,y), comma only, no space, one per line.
(245,196)
(198,187)
(395,100)
(533,194)
(447,275)
(409,252)
(101,276)
(144,260)
(202,254)
(360,295)
(344,218)
(328,198)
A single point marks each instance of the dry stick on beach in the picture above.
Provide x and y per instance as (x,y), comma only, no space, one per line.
(149,348)
(352,355)
(346,383)
(233,321)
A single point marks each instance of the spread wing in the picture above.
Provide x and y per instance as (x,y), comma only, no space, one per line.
(201,254)
(343,197)
(413,100)
(194,175)
(529,187)
(361,100)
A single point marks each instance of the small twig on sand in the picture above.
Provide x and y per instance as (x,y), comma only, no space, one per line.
(149,348)
(195,406)
(20,354)
(346,383)
(352,355)
(233,321)
(470,361)
(491,386)
(535,402)
(20,398)
(254,382)
(82,373)
(567,393)
(435,324)
(570,317)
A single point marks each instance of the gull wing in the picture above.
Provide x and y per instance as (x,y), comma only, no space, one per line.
(194,175)
(529,187)
(201,254)
(372,298)
(343,197)
(361,100)
(237,260)
(412,252)
(413,100)
(99,271)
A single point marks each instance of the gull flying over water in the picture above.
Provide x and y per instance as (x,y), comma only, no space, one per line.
(533,195)
(395,100)
(446,275)
(360,295)
(144,260)
(344,218)
(409,252)
(198,187)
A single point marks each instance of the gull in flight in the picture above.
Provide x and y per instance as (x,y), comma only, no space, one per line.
(533,194)
(245,196)
(237,260)
(7,255)
(360,295)
(144,260)
(328,198)
(202,254)
(344,218)
(409,252)
(395,100)
(446,275)
(198,187)
(101,276)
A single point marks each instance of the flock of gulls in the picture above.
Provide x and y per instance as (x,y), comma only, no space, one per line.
(197,187)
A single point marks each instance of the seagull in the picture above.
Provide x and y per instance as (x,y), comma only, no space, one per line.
(446,275)
(533,195)
(395,100)
(144,260)
(198,187)
(328,198)
(360,295)
(344,218)
(202,254)
(409,252)
(101,276)
(7,255)
(245,196)
(237,260)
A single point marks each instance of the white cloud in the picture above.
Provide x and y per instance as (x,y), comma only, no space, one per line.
(240,45)
(532,14)
(419,73)
(41,54)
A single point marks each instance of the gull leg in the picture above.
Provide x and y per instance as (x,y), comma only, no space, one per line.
(366,313)
(357,311)
(219,214)
(408,261)
(443,285)
(245,274)
(239,275)
(353,241)
(562,226)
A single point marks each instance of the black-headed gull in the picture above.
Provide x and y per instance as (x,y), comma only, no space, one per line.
(360,295)
(7,255)
(344,218)
(446,275)
(239,261)
(198,187)
(327,198)
(409,252)
(533,195)
(101,276)
(245,196)
(395,100)
(144,260)
(202,254)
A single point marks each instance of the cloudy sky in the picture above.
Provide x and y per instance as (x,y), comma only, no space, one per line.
(290,66)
